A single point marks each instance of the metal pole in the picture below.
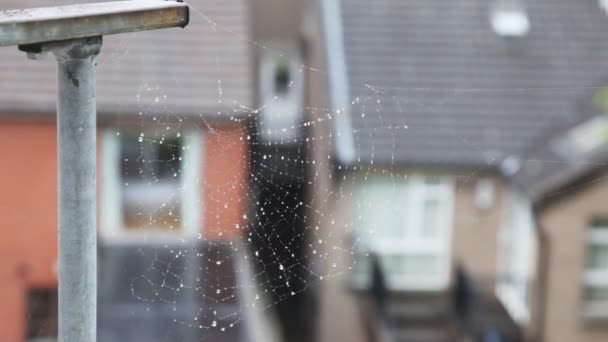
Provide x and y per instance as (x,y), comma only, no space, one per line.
(74,33)
(76,140)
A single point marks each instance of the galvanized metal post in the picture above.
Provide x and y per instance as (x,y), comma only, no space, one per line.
(76,141)
(73,33)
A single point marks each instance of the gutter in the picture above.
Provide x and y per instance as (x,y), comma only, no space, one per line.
(338,81)
(544,253)
(509,170)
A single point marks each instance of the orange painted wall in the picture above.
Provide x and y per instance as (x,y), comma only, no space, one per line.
(224,181)
(28,219)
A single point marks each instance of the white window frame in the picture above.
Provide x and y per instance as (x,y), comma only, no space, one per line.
(415,244)
(279,119)
(112,227)
(596,235)
(517,229)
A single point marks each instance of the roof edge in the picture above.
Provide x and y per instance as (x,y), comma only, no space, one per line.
(338,84)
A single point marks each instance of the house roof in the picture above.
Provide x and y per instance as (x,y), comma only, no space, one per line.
(561,158)
(430,83)
(199,70)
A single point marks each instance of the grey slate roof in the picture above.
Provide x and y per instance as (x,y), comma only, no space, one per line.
(188,70)
(562,158)
(468,97)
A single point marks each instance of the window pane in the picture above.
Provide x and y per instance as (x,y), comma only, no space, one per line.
(150,159)
(361,267)
(432,180)
(42,315)
(151,175)
(412,265)
(596,294)
(383,209)
(397,211)
(597,257)
(430,218)
(600,225)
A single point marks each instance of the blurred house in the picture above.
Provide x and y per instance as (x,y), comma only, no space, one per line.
(568,282)
(174,108)
(429,170)
(432,107)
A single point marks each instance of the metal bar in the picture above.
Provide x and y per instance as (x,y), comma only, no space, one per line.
(73,34)
(38,25)
(76,140)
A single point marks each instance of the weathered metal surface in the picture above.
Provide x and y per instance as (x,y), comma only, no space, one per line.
(37,25)
(74,34)
(76,135)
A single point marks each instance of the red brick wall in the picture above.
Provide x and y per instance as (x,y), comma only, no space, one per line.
(224,179)
(28,219)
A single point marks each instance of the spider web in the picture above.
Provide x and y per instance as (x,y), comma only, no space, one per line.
(289,236)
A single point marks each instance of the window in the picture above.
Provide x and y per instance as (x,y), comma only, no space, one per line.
(407,221)
(42,315)
(595,278)
(150,184)
(515,256)
(282,77)
(281,90)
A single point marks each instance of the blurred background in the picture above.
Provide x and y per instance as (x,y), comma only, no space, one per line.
(327,170)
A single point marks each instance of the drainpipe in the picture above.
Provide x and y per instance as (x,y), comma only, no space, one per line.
(544,249)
